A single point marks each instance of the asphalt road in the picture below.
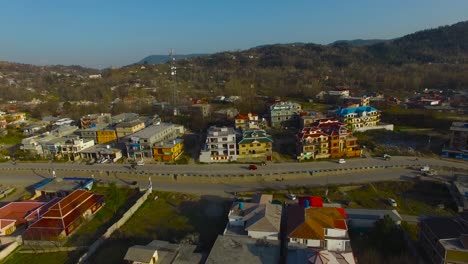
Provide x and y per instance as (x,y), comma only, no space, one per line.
(231,169)
(26,174)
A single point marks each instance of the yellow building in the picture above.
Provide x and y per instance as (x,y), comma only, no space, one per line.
(106,135)
(129,127)
(15,117)
(168,151)
(255,144)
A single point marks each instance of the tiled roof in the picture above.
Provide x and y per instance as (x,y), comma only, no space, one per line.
(266,218)
(309,223)
(62,214)
(355,110)
(18,211)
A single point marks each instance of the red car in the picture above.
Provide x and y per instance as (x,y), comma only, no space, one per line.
(252,167)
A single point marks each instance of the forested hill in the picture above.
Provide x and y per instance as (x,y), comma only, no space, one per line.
(447,44)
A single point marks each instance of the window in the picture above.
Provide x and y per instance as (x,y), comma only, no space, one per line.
(258,145)
(232,153)
(251,145)
(224,139)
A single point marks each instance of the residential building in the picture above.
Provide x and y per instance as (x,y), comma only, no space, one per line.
(366,218)
(61,187)
(72,147)
(129,127)
(220,145)
(225,113)
(52,148)
(327,138)
(102,151)
(318,227)
(360,118)
(249,121)
(313,144)
(33,128)
(64,130)
(458,144)
(65,216)
(241,249)
(106,135)
(308,118)
(87,121)
(15,214)
(298,253)
(124,117)
(162,252)
(444,239)
(140,144)
(36,144)
(200,110)
(255,144)
(91,133)
(282,114)
(15,117)
(459,191)
(258,219)
(168,151)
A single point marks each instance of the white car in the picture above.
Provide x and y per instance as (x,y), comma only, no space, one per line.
(392,202)
(140,163)
(341,161)
(291,196)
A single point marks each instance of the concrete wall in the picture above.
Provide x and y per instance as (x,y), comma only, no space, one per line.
(8,249)
(126,216)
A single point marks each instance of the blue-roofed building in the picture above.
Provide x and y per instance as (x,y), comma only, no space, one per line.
(359,118)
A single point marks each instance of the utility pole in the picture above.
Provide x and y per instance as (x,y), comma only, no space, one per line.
(173,81)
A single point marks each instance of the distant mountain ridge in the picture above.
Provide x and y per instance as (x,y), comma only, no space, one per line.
(160,59)
(359,42)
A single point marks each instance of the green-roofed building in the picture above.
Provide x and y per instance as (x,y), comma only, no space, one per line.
(255,144)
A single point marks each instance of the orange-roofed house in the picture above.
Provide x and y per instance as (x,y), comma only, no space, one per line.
(318,227)
(15,214)
(65,216)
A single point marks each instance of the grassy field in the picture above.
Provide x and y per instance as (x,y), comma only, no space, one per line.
(412,197)
(173,217)
(49,258)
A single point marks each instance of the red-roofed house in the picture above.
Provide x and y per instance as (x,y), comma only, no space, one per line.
(318,227)
(62,218)
(249,121)
(326,138)
(15,214)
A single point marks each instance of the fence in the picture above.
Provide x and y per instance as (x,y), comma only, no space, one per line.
(126,216)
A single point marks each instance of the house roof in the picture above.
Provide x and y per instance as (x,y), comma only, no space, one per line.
(355,110)
(168,253)
(240,249)
(140,254)
(261,198)
(63,213)
(309,223)
(446,227)
(18,211)
(329,257)
(265,218)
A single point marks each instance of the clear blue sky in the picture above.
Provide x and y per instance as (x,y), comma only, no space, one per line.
(102,33)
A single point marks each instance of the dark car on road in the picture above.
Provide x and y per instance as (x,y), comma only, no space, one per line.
(252,167)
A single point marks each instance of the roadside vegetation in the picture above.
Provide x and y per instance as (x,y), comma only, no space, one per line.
(416,197)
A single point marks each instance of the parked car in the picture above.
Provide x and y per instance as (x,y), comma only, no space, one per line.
(341,161)
(140,163)
(392,202)
(291,196)
(252,167)
(263,163)
(430,173)
(425,168)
